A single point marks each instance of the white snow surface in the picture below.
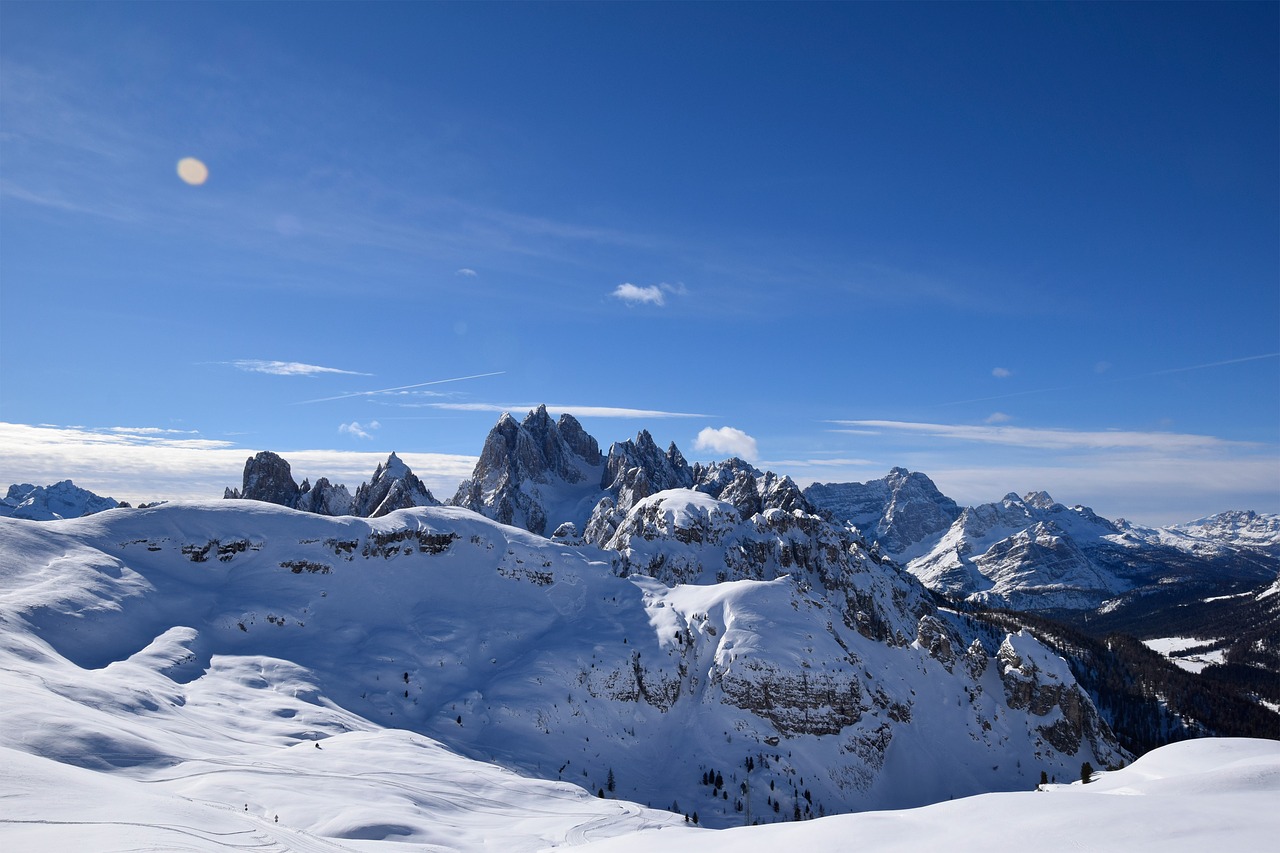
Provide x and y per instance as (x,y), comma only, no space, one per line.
(1182,798)
(1175,650)
(183,676)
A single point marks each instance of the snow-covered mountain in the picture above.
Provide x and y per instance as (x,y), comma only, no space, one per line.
(698,638)
(45,503)
(845,687)
(535,471)
(1032,553)
(1237,528)
(896,511)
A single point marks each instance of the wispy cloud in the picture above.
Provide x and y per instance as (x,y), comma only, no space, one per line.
(577,411)
(727,439)
(402,387)
(288,368)
(998,418)
(468,272)
(1001,372)
(106,437)
(652,294)
(355,429)
(1056,439)
(1153,489)
(785,465)
(151,431)
(635,295)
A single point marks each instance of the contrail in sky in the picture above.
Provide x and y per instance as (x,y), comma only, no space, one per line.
(1121,379)
(401,387)
(1211,364)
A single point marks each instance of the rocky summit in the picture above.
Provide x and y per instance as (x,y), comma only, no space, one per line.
(268,478)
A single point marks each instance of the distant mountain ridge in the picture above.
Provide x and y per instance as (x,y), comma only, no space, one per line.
(1033,553)
(48,503)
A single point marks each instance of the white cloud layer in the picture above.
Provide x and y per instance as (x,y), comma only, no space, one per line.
(140,467)
(576,411)
(1151,478)
(288,368)
(727,440)
(1056,439)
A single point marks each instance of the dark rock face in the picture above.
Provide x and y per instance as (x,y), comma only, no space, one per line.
(1043,690)
(637,469)
(519,459)
(749,489)
(393,487)
(796,702)
(268,478)
(897,511)
(325,498)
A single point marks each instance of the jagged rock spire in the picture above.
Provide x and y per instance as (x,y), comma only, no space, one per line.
(268,478)
(393,487)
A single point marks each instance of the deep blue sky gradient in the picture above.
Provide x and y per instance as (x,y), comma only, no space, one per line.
(859,210)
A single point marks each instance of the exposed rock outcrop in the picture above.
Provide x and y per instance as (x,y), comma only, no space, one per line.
(324,498)
(527,468)
(1037,681)
(897,511)
(267,478)
(393,487)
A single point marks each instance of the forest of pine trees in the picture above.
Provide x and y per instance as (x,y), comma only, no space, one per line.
(1147,701)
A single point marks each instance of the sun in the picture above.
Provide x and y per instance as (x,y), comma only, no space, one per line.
(193,171)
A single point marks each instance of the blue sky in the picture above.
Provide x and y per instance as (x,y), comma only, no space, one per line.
(1017,247)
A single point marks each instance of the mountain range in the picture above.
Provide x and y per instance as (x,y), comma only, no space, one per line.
(708,640)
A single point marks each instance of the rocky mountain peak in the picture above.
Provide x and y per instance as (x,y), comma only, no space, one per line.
(268,478)
(523,465)
(636,469)
(1039,500)
(324,498)
(577,439)
(897,511)
(393,487)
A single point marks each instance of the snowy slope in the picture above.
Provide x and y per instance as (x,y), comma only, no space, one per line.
(1177,799)
(135,634)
